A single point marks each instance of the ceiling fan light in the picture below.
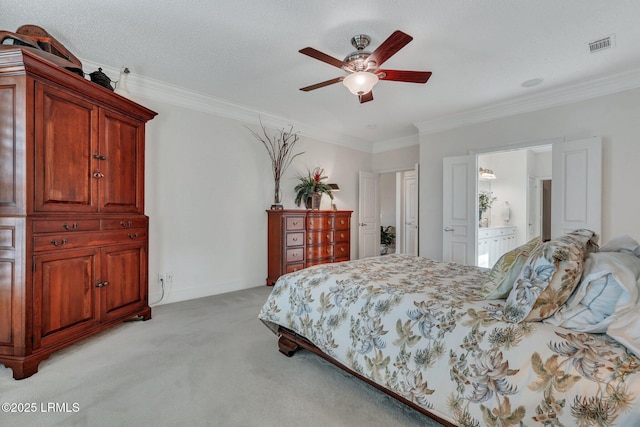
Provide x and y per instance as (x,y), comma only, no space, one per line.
(360,82)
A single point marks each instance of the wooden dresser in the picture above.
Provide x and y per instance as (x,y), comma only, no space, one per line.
(302,238)
(73,234)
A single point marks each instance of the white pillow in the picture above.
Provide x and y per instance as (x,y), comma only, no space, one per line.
(606,290)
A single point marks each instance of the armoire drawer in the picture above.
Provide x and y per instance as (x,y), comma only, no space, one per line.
(52,242)
(65,225)
(124,223)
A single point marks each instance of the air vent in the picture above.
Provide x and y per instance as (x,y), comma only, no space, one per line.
(602,44)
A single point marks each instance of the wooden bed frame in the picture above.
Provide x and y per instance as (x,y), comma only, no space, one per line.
(290,342)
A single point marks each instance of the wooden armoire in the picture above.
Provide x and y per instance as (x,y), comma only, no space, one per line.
(73,234)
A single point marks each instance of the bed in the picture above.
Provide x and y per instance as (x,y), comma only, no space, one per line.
(434,335)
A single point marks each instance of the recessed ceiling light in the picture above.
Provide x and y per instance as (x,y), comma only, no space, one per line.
(532,82)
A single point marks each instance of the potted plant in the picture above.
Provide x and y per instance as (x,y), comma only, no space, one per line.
(311,186)
(485,200)
(387,237)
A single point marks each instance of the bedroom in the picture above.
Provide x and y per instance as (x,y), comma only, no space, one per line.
(207,230)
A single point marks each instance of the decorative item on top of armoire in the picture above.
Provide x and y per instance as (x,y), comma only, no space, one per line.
(301,238)
(280,149)
(310,188)
(121,85)
(73,233)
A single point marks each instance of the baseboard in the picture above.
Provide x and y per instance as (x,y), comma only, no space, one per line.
(204,290)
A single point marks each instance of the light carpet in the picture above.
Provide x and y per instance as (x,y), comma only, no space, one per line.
(204,362)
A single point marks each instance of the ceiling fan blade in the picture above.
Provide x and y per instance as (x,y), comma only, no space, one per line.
(389,47)
(404,76)
(366,97)
(316,54)
(322,84)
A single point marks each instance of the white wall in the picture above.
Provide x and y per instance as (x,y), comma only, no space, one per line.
(613,117)
(208,184)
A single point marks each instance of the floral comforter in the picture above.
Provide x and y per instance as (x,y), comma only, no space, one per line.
(416,327)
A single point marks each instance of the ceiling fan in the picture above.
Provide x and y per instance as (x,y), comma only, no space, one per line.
(364,67)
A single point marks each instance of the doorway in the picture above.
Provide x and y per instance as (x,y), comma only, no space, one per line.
(510,183)
(397,195)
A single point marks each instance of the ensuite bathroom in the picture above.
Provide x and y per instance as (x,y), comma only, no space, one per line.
(514,200)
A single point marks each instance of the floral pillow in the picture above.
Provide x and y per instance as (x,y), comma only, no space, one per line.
(549,276)
(505,271)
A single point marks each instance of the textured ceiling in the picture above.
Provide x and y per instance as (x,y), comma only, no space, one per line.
(246,51)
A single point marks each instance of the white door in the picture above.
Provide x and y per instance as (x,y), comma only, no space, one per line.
(369,215)
(576,195)
(459,209)
(410,212)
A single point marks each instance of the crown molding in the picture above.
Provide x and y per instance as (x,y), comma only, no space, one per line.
(142,87)
(395,144)
(551,98)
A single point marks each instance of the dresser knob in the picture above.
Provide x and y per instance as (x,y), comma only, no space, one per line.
(294,255)
(342,249)
(295,239)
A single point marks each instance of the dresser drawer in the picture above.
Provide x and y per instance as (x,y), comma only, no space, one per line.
(319,237)
(319,222)
(316,252)
(341,250)
(293,223)
(342,223)
(342,236)
(319,261)
(294,267)
(61,241)
(124,223)
(295,239)
(295,255)
(65,225)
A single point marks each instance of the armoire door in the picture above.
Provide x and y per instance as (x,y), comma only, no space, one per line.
(64,295)
(65,141)
(124,279)
(121,161)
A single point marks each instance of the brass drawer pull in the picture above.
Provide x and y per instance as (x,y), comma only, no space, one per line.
(62,242)
(101,284)
(97,174)
(133,236)
(328,250)
(295,254)
(328,236)
(99,157)
(73,227)
(125,224)
(310,238)
(295,223)
(295,239)
(341,249)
